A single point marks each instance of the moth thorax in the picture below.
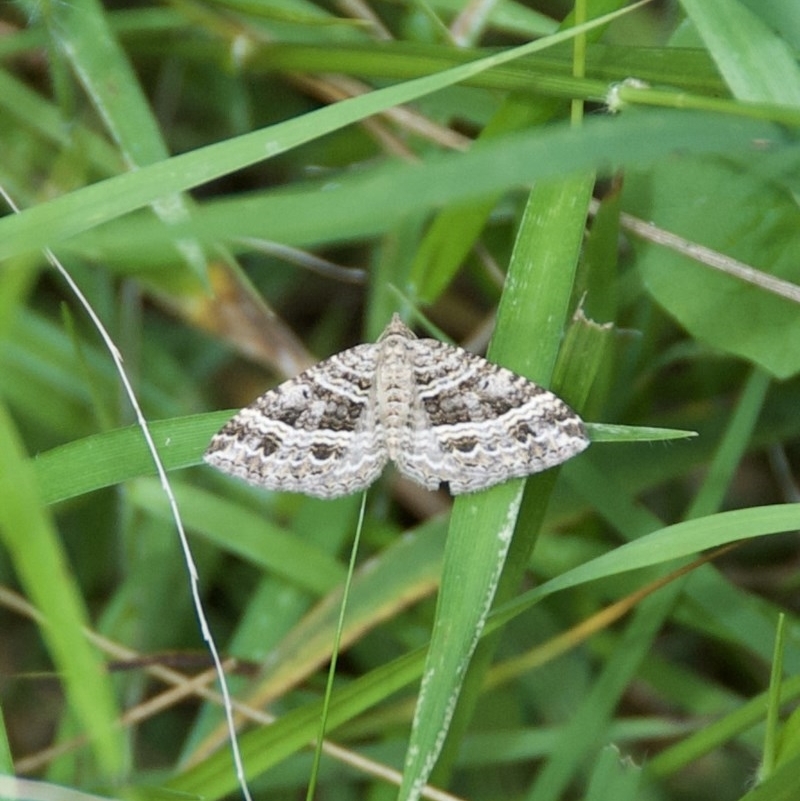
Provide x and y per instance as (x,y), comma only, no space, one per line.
(394,385)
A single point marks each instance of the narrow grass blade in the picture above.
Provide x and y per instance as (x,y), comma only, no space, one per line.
(31,540)
(481,527)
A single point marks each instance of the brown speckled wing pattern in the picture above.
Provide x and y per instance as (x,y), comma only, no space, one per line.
(440,413)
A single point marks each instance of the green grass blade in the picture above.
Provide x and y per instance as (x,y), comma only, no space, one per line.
(83,34)
(244,533)
(614,776)
(772,736)
(781,785)
(481,527)
(588,725)
(102,460)
(266,747)
(721,731)
(88,42)
(755,61)
(6,762)
(368,203)
(52,222)
(675,542)
(41,565)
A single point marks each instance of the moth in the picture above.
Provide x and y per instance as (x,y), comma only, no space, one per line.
(440,413)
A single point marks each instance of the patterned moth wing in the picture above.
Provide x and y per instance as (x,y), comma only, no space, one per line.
(317,433)
(440,413)
(474,424)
